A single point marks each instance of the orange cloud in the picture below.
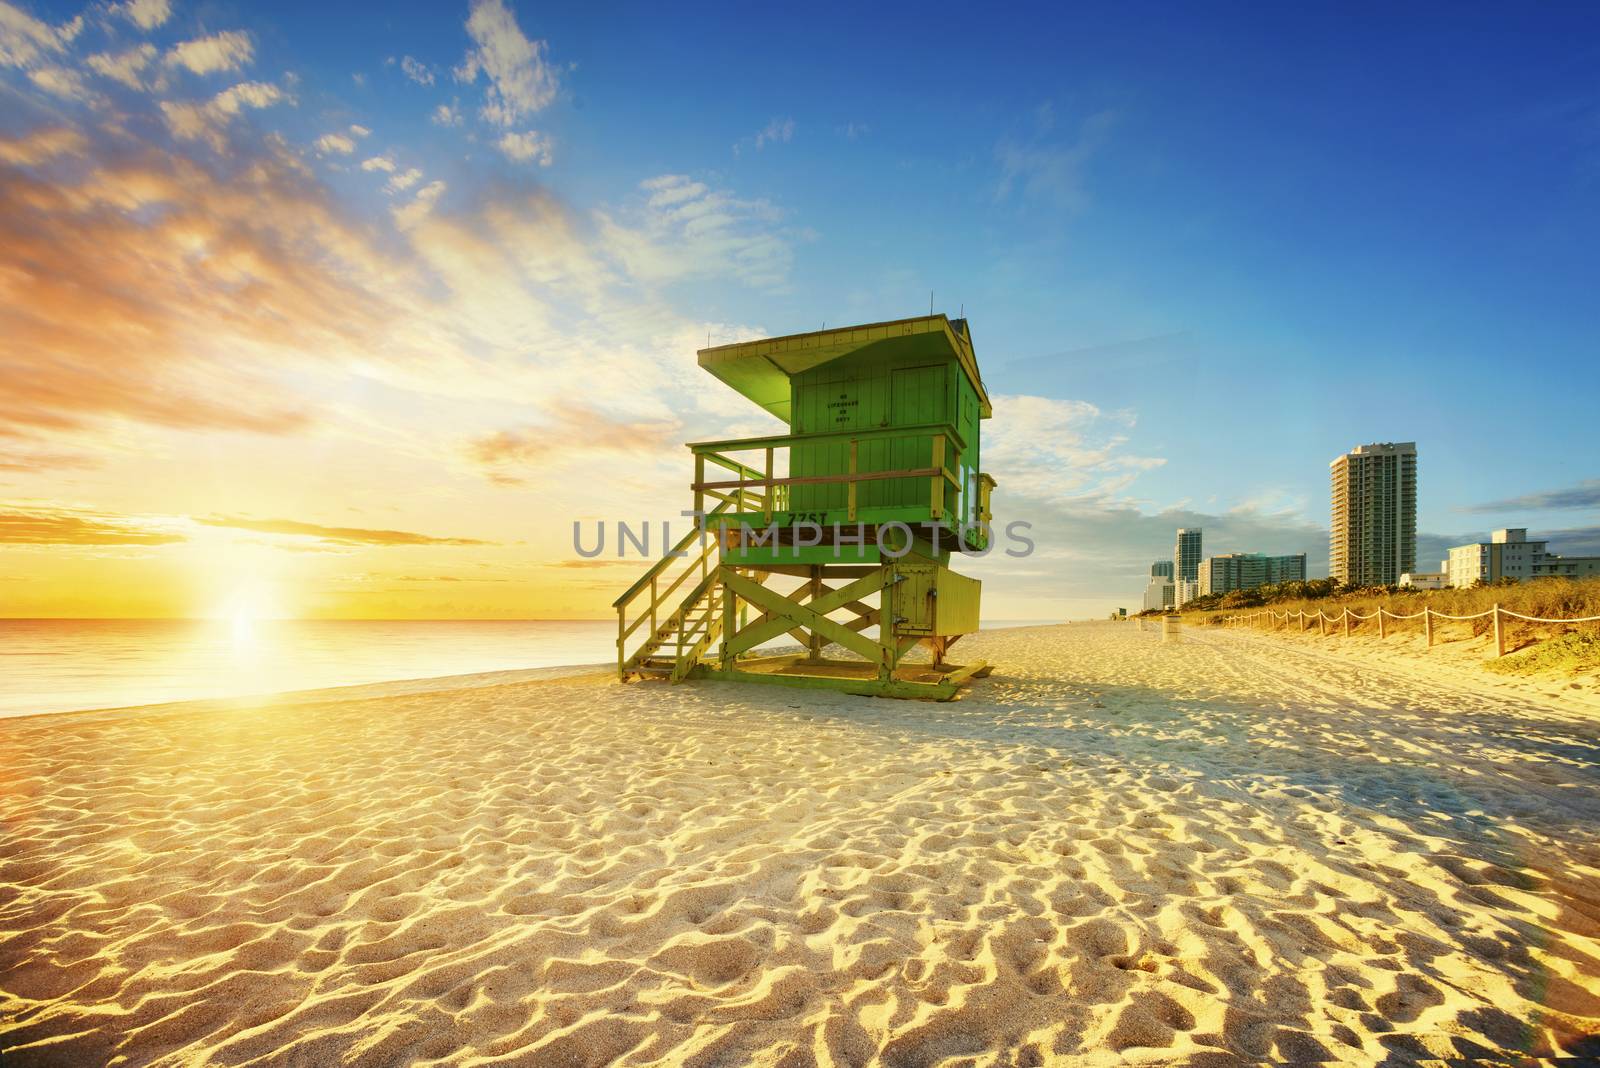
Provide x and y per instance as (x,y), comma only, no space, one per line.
(498,452)
(341,535)
(154,291)
(62,527)
(45,143)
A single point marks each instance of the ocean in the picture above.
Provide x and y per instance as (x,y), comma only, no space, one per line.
(61,665)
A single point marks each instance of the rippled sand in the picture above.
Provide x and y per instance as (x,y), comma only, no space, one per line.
(1228,850)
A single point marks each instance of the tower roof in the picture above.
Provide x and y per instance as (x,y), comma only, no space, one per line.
(761,369)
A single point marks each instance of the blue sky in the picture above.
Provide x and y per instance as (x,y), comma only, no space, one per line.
(1342,228)
(1209,249)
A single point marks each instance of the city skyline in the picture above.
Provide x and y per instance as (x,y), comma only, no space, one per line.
(367,288)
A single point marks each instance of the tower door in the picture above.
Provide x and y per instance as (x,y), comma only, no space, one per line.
(916,397)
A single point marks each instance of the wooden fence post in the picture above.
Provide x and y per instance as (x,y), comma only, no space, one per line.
(1499,633)
(1322,623)
(1381,630)
(1347,622)
(1427,624)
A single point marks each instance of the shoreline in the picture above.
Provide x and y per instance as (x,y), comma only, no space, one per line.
(388,686)
(356,691)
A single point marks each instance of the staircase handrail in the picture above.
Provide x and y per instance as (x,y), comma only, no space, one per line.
(672,554)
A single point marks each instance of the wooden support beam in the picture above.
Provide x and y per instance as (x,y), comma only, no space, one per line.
(865,621)
(961,675)
(850,490)
(787,613)
(829,571)
(728,600)
(799,634)
(816,588)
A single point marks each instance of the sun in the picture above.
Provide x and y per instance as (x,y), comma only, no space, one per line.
(246,608)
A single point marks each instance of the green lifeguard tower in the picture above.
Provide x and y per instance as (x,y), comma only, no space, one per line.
(854,513)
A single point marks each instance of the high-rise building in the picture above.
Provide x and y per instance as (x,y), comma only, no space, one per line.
(1374,520)
(1186,562)
(1158,594)
(1509,554)
(1246,571)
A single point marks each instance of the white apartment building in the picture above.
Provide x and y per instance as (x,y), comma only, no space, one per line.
(1158,594)
(1509,554)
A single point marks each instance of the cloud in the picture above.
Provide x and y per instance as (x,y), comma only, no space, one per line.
(1574,541)
(27,42)
(521,80)
(774,132)
(63,82)
(335,535)
(446,115)
(404,180)
(207,122)
(148,291)
(526,146)
(72,527)
(408,215)
(1043,170)
(686,229)
(42,145)
(357,130)
(145,14)
(125,67)
(1585,494)
(417,71)
(343,144)
(500,454)
(1055,450)
(228,50)
(153,292)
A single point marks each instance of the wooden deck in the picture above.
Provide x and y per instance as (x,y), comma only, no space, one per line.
(926,681)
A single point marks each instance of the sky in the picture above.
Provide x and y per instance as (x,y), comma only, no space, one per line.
(353,312)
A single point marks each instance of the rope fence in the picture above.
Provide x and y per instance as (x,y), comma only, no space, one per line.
(1383,616)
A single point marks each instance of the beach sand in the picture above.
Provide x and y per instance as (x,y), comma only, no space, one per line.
(1230,849)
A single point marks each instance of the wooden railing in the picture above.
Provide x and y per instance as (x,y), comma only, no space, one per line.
(1271,617)
(761,490)
(660,587)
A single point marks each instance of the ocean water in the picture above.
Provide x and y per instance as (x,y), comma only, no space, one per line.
(60,665)
(56,665)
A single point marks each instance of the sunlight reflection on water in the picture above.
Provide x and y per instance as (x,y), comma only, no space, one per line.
(55,665)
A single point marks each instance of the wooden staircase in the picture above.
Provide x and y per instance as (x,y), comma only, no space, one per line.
(675,646)
(662,632)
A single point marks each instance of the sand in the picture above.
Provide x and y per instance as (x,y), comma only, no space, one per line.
(1232,849)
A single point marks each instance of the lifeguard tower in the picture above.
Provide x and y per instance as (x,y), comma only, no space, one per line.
(853,513)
